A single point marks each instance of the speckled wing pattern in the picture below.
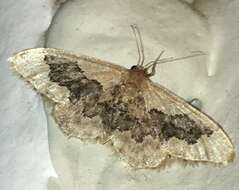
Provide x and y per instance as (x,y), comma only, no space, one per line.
(144,123)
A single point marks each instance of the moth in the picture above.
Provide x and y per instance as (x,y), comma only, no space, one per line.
(144,123)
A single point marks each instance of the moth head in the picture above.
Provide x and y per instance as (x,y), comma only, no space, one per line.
(141,71)
(141,67)
(149,69)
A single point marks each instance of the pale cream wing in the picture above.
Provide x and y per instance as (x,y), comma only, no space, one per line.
(31,65)
(216,148)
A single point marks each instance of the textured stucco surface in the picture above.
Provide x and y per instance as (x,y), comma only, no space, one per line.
(93,29)
(24,157)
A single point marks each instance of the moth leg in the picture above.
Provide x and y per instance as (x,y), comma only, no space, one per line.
(111,137)
(153,65)
(196,103)
(153,71)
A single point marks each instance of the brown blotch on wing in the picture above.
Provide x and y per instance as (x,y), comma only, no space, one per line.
(178,126)
(70,75)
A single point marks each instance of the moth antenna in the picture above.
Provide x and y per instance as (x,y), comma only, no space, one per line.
(167,60)
(164,60)
(139,43)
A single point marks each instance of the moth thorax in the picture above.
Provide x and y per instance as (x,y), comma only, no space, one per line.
(137,76)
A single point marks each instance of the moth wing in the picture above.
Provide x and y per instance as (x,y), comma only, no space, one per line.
(216,148)
(31,65)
